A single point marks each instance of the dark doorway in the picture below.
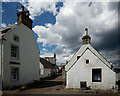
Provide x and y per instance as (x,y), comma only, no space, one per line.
(83,84)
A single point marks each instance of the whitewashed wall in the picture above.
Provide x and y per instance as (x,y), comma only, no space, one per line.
(0,69)
(47,72)
(28,56)
(79,52)
(82,72)
(44,72)
(52,60)
(41,70)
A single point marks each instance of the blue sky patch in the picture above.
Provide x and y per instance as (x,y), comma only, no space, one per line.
(46,17)
(9,16)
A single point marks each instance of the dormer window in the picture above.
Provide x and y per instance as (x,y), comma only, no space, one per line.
(87,61)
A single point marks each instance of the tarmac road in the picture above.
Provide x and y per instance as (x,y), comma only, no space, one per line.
(55,87)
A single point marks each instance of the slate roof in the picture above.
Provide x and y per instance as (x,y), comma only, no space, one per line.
(47,64)
(5,29)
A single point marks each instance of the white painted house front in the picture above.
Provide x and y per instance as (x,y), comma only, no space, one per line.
(89,69)
(20,60)
(46,68)
(51,59)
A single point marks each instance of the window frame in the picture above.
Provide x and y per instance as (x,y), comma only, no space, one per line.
(101,74)
(86,61)
(17,74)
(14,52)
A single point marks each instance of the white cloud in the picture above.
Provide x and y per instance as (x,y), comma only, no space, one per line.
(6,0)
(46,54)
(3,25)
(70,24)
(44,49)
(37,8)
(47,35)
(63,54)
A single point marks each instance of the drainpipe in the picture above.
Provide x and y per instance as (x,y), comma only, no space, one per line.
(1,77)
(1,69)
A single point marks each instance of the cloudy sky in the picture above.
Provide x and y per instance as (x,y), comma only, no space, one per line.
(59,26)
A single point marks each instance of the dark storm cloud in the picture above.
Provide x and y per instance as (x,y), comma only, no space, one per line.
(100,18)
(113,6)
(109,40)
(72,42)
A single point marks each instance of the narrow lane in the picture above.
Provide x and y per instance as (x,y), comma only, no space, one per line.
(55,86)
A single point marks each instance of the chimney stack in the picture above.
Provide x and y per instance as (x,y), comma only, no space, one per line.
(86,31)
(86,38)
(23,17)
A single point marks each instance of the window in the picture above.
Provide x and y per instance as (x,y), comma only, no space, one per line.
(14,74)
(87,61)
(14,52)
(78,57)
(16,38)
(96,75)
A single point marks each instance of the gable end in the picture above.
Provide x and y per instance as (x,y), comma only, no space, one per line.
(94,54)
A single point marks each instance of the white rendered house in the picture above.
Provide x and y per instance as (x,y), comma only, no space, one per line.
(89,69)
(46,68)
(20,53)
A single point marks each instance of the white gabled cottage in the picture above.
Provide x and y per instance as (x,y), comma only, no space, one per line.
(20,53)
(89,69)
(46,68)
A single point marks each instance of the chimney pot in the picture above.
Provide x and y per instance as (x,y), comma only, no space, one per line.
(22,7)
(27,13)
(86,31)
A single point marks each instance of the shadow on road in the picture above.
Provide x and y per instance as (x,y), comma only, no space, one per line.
(44,83)
(51,77)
